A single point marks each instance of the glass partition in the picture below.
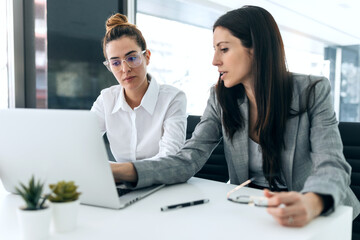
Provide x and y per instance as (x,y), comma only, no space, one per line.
(70,74)
(75,30)
(179,34)
(4,89)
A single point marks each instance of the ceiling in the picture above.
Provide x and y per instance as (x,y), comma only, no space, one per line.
(330,21)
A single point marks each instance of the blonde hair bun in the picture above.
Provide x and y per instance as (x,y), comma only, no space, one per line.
(115,21)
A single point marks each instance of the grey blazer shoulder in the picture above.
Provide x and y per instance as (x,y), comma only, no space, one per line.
(312,160)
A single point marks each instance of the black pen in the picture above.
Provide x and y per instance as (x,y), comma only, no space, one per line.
(186,204)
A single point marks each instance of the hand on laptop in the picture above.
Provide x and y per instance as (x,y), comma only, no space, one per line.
(124,172)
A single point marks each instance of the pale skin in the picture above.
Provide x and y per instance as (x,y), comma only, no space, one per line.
(124,172)
(133,80)
(234,63)
(229,55)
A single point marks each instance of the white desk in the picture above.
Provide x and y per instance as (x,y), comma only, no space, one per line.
(218,219)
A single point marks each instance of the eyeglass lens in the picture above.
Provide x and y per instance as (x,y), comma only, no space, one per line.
(132,60)
(257,201)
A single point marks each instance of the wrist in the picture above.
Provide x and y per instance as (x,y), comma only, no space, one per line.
(124,172)
(316,203)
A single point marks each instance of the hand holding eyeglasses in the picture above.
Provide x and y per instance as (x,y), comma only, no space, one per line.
(246,199)
(296,209)
(288,208)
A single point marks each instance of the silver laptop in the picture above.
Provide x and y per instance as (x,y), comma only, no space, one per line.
(55,145)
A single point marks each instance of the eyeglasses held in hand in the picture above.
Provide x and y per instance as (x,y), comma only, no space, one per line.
(133,60)
(251,200)
(245,199)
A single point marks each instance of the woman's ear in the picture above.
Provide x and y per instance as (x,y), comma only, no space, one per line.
(147,56)
(251,51)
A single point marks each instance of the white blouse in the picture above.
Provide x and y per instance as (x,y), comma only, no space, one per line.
(156,128)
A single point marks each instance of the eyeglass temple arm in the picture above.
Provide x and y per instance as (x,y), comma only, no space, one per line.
(240,186)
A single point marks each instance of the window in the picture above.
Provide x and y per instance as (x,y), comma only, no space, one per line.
(179,34)
(181,59)
(75,71)
(40,54)
(4,89)
(64,70)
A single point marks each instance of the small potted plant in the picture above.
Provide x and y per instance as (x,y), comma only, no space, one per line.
(34,217)
(64,199)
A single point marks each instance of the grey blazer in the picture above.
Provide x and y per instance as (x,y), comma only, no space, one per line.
(312,160)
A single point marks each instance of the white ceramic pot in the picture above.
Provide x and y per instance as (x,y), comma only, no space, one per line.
(34,224)
(65,215)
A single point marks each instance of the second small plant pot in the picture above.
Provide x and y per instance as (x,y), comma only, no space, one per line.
(65,215)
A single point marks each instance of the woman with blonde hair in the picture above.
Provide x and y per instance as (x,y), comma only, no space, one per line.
(142,119)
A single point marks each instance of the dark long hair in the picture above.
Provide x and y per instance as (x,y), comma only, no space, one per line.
(273,85)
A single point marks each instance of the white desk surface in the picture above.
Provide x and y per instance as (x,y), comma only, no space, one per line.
(218,219)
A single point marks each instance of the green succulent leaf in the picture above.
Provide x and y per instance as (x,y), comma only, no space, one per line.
(64,192)
(31,194)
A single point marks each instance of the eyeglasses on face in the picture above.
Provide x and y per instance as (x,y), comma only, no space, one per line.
(133,60)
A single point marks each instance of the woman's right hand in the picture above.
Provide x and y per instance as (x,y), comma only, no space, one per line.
(124,172)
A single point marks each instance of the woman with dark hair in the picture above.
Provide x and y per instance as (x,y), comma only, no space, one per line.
(278,128)
(142,119)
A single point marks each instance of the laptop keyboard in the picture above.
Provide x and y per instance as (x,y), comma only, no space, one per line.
(122,191)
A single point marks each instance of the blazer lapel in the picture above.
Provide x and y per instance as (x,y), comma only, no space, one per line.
(240,145)
(290,136)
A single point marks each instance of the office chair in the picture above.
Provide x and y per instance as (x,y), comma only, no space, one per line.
(108,150)
(215,168)
(350,132)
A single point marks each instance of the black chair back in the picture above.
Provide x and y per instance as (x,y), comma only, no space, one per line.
(215,168)
(350,136)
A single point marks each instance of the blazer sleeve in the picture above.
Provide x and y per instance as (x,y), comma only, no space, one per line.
(190,159)
(330,173)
